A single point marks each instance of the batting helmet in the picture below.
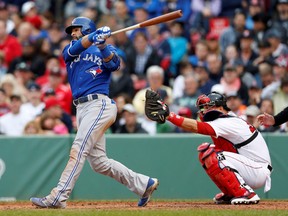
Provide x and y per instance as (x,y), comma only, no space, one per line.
(87,25)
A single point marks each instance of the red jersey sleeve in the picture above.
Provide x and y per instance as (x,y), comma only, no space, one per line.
(205,129)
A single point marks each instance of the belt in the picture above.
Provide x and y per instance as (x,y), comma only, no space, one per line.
(84,99)
(270,168)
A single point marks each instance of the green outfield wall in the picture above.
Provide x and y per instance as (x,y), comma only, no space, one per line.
(31,166)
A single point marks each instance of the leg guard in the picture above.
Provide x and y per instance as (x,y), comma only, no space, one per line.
(227,180)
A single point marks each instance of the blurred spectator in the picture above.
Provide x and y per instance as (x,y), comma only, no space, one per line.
(254,93)
(254,7)
(264,53)
(231,54)
(185,68)
(34,106)
(184,6)
(280,98)
(251,113)
(267,106)
(123,42)
(189,97)
(246,53)
(120,100)
(93,12)
(52,63)
(131,124)
(76,7)
(23,76)
(279,71)
(9,83)
(205,83)
(232,34)
(122,14)
(162,46)
(10,48)
(261,23)
(121,81)
(31,58)
(138,61)
(203,11)
(24,31)
(52,125)
(3,67)
(278,48)
(53,108)
(266,74)
(43,49)
(4,15)
(153,7)
(235,103)
(213,44)
(4,106)
(228,8)
(139,15)
(13,123)
(179,46)
(30,14)
(214,67)
(246,77)
(55,38)
(280,18)
(62,92)
(32,128)
(201,52)
(155,77)
(232,83)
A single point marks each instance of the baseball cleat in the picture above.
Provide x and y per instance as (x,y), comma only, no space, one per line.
(151,186)
(43,203)
(251,199)
(221,198)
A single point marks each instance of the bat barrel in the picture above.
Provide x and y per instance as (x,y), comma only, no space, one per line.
(163,18)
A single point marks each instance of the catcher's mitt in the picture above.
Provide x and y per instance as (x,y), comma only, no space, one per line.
(155,108)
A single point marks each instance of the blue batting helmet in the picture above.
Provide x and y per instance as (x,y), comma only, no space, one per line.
(87,25)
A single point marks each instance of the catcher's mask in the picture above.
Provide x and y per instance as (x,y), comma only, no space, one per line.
(206,102)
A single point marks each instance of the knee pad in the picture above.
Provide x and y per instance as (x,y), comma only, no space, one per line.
(227,180)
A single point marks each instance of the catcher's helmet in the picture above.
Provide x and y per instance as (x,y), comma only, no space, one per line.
(212,99)
(87,25)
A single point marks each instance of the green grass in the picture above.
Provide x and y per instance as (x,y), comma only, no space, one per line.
(89,212)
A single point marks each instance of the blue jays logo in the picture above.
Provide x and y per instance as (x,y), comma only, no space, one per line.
(94,71)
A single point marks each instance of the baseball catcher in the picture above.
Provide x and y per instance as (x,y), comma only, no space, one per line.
(238,160)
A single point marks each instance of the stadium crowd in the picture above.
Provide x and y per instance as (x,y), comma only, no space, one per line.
(237,48)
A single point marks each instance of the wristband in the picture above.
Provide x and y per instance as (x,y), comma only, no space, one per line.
(105,52)
(90,37)
(175,119)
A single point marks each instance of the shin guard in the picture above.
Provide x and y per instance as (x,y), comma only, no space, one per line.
(227,180)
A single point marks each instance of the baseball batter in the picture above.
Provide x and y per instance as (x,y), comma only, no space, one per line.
(237,162)
(90,62)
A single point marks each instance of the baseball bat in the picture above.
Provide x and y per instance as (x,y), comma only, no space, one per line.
(154,21)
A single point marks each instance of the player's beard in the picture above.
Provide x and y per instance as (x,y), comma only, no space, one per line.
(77,37)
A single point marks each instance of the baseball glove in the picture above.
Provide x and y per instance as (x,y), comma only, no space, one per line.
(155,108)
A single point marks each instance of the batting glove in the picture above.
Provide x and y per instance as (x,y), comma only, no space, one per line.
(102,34)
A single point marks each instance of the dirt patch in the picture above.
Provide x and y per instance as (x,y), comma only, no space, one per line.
(161,205)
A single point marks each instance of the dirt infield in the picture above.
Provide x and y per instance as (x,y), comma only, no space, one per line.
(167,205)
